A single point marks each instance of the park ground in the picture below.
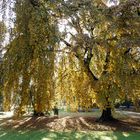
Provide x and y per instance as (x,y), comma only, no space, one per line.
(70,126)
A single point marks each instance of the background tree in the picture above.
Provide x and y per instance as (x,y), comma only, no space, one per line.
(2,33)
(2,37)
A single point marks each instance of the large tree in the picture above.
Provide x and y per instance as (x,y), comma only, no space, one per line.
(100,40)
(103,39)
(28,63)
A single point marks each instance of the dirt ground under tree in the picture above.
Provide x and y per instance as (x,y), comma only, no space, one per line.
(131,122)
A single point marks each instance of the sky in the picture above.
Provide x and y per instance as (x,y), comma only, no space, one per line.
(110,3)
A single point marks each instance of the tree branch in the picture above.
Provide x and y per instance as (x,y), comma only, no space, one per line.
(106,62)
(35,3)
(83,63)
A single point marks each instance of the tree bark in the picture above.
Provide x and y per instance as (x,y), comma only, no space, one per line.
(38,114)
(106,116)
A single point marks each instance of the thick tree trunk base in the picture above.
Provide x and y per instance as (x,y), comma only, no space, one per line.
(110,119)
(106,116)
(38,114)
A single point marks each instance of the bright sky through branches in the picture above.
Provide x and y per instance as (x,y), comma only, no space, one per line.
(110,3)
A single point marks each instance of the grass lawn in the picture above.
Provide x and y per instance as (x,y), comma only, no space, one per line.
(50,135)
(96,113)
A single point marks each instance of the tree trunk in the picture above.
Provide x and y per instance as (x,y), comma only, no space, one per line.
(38,114)
(106,116)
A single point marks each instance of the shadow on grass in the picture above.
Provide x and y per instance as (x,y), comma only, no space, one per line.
(38,128)
(68,123)
(50,135)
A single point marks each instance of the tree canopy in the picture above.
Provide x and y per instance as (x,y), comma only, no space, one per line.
(83,52)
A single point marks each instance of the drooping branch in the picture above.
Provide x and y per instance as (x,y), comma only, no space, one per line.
(127,51)
(107,60)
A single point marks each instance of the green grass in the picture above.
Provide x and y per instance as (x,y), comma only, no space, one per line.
(70,135)
(96,113)
(81,114)
(50,135)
